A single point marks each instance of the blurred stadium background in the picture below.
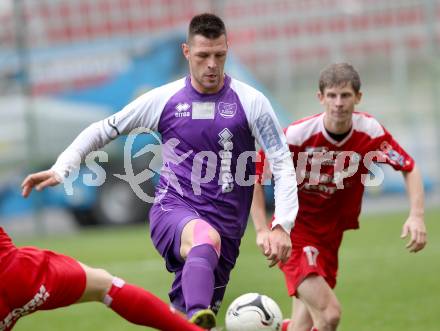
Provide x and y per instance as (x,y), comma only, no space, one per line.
(66,63)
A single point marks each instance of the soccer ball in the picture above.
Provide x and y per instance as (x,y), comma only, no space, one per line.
(253,312)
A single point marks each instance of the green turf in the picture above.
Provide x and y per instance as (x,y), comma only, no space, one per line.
(381,287)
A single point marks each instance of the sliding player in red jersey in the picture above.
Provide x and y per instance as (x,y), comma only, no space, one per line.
(332,153)
(34,279)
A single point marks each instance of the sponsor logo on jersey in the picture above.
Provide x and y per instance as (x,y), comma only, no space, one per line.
(227,110)
(269,134)
(393,155)
(226,180)
(182,110)
(203,110)
(28,308)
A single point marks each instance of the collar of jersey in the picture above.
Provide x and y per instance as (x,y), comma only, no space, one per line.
(330,139)
(205,96)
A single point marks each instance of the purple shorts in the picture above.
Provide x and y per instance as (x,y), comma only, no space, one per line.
(167,220)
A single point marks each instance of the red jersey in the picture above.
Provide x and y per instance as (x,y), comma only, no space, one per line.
(34,279)
(5,242)
(331,174)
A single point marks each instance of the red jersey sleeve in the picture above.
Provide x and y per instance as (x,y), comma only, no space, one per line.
(260,167)
(394,154)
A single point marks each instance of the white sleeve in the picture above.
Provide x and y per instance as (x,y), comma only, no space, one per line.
(144,112)
(269,135)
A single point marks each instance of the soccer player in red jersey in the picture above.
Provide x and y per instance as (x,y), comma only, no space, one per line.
(333,152)
(34,279)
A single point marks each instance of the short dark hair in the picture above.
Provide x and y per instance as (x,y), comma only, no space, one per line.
(208,25)
(337,74)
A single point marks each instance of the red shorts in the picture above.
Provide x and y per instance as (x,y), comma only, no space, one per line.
(309,258)
(33,279)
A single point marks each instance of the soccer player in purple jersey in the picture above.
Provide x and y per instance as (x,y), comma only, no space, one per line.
(209,123)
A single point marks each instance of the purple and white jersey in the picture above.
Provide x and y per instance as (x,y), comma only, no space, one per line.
(208,149)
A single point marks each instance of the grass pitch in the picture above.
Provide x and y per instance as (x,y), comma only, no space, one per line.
(381,286)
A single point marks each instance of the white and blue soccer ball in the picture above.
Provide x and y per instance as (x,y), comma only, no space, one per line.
(253,312)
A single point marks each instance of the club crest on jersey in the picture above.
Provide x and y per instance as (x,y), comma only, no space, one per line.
(227,110)
(182,110)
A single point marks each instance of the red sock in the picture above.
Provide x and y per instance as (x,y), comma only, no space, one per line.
(140,307)
(314,329)
(285,324)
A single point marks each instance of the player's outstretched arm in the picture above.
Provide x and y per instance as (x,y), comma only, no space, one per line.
(415,224)
(258,213)
(39,180)
(274,243)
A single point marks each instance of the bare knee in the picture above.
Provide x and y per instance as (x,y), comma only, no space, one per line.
(98,283)
(321,302)
(199,232)
(330,317)
(333,316)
